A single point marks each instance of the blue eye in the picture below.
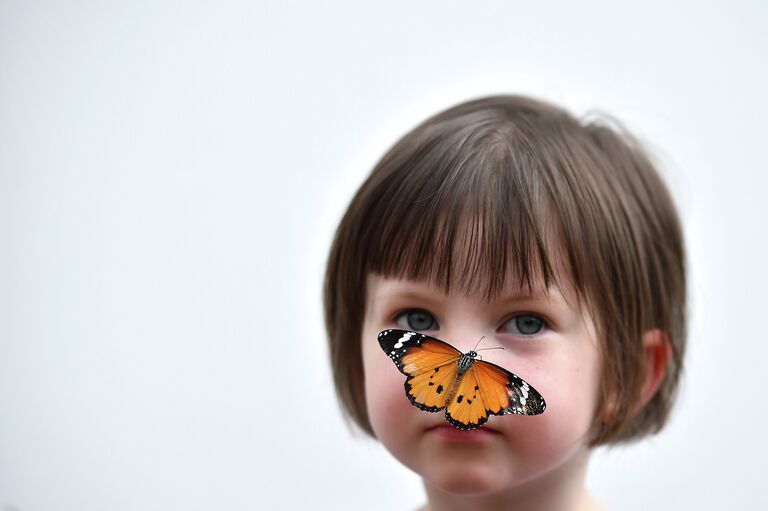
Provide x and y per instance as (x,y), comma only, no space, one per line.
(416,320)
(526,324)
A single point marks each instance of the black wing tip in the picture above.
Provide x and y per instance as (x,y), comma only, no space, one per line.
(541,405)
(538,404)
(387,341)
(538,409)
(534,405)
(385,333)
(388,338)
(382,337)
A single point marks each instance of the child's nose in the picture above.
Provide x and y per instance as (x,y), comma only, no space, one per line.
(465,338)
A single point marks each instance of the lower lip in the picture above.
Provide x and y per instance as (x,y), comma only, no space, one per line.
(452,434)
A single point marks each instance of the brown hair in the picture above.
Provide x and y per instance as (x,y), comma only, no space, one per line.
(531,186)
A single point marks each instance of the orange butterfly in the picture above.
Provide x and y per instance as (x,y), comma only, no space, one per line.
(440,376)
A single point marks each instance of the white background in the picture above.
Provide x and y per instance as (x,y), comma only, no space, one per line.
(171,174)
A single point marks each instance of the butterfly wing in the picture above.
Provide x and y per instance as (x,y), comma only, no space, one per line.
(430,364)
(487,389)
(467,409)
(504,392)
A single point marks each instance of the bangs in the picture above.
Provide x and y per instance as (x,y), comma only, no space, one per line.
(472,214)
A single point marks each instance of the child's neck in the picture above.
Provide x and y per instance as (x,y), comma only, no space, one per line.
(563,489)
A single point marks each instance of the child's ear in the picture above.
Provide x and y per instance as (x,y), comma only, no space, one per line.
(657,351)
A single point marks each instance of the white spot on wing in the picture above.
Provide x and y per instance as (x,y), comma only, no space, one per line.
(403,339)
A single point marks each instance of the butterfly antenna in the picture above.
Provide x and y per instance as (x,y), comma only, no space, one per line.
(478,343)
(484,349)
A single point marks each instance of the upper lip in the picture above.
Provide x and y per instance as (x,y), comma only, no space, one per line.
(484,427)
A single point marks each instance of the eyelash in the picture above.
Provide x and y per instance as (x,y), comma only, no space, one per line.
(545,326)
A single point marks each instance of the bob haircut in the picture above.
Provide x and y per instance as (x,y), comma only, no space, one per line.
(539,197)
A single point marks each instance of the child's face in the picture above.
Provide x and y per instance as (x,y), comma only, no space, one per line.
(546,342)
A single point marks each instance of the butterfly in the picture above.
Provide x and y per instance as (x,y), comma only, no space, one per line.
(440,376)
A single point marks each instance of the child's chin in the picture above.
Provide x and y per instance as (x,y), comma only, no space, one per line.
(469,479)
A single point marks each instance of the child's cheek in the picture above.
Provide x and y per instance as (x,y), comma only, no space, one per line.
(396,423)
(571,395)
(384,392)
(568,381)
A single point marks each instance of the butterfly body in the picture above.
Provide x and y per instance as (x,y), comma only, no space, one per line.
(441,377)
(465,362)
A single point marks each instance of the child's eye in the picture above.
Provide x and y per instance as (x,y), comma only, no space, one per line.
(525,324)
(416,320)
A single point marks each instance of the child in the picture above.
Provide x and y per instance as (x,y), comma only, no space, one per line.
(506,217)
